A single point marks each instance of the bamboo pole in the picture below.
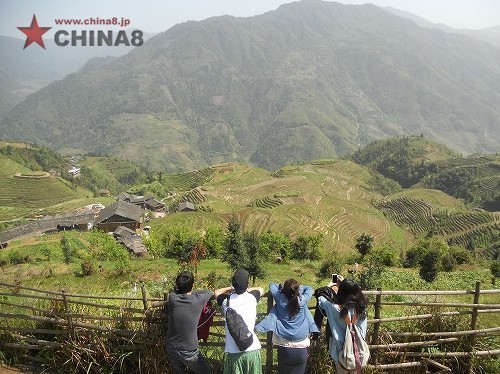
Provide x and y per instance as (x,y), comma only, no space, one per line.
(450,333)
(376,327)
(473,322)
(414,344)
(401,365)
(452,355)
(67,311)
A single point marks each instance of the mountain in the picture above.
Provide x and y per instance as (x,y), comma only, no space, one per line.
(309,80)
(488,34)
(24,71)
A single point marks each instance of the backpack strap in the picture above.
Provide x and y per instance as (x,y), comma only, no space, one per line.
(350,325)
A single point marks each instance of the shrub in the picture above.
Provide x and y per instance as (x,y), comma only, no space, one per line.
(331,265)
(16,257)
(371,275)
(387,256)
(87,266)
(448,262)
(429,265)
(461,255)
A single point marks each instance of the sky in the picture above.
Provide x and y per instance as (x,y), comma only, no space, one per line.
(159,15)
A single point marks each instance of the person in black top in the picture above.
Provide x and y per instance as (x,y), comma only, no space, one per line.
(184,310)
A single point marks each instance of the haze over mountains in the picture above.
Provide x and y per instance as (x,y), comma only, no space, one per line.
(312,79)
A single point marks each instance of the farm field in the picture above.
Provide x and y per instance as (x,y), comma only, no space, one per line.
(328,198)
(24,193)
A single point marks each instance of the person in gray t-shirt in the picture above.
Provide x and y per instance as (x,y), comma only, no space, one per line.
(184,310)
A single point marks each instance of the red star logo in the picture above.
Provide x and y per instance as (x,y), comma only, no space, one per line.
(34,33)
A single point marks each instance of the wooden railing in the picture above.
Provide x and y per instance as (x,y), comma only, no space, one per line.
(33,321)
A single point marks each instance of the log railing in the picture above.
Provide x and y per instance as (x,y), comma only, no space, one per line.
(33,320)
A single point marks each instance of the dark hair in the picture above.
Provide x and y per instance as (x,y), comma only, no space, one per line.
(184,282)
(291,290)
(349,296)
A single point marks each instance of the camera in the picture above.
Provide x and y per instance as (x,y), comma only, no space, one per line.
(334,278)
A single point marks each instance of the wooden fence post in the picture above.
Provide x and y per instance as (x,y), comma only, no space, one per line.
(269,340)
(376,326)
(473,322)
(144,298)
(67,314)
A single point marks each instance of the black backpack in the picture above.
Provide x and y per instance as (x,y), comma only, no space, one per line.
(237,328)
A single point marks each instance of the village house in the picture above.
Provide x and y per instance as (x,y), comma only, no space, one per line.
(74,171)
(120,213)
(186,206)
(145,202)
(130,240)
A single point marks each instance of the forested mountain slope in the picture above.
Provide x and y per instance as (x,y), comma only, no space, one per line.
(312,79)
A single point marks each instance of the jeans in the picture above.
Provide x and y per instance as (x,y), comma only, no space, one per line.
(193,360)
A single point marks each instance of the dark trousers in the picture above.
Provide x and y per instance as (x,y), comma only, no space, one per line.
(292,360)
(193,360)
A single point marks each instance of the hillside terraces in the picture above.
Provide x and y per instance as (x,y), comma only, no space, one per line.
(460,222)
(266,202)
(472,230)
(189,180)
(194,196)
(488,185)
(34,193)
(417,214)
(479,237)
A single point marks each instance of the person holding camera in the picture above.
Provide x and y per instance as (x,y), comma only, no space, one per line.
(350,302)
(291,323)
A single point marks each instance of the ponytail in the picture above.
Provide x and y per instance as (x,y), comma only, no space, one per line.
(291,291)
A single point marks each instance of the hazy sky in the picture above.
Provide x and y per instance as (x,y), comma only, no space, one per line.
(159,15)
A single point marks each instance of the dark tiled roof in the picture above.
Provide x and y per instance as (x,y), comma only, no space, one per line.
(124,231)
(154,204)
(123,196)
(134,244)
(186,205)
(122,209)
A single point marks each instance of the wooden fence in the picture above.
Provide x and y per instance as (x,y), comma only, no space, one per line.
(34,323)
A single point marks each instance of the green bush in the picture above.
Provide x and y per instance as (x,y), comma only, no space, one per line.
(387,256)
(329,266)
(16,257)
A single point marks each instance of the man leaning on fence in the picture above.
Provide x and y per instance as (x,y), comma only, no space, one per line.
(184,310)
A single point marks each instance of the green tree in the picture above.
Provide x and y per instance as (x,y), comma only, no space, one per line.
(67,249)
(213,240)
(429,265)
(255,267)
(495,270)
(307,247)
(417,252)
(364,243)
(371,275)
(235,254)
(275,246)
(46,251)
(155,247)
(178,243)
